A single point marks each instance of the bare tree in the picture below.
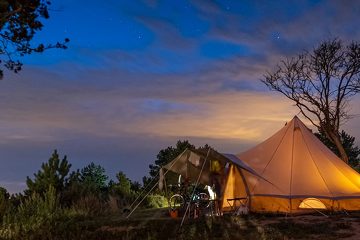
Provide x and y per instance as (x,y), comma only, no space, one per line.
(321,83)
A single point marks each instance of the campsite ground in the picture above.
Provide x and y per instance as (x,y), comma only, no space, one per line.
(155,224)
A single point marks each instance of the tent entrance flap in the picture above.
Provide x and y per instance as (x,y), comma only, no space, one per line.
(234,188)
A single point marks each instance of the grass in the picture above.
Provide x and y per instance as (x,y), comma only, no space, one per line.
(156,224)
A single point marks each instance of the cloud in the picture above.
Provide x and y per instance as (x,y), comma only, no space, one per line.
(106,111)
(248,116)
(119,106)
(122,123)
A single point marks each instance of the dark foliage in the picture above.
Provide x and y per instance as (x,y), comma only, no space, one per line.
(122,186)
(4,201)
(20,20)
(94,176)
(348,142)
(90,180)
(52,173)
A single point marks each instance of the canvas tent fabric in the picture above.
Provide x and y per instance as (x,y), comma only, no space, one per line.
(295,166)
(189,164)
(235,187)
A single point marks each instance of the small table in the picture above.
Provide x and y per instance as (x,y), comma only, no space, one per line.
(234,208)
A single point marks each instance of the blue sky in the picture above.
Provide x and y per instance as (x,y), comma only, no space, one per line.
(139,75)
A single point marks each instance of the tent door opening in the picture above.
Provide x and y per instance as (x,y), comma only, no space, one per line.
(312,203)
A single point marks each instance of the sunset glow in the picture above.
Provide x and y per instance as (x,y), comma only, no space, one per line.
(138,76)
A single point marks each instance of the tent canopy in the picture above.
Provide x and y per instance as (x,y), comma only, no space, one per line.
(189,163)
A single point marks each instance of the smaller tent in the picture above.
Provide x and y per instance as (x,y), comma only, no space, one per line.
(190,163)
(227,169)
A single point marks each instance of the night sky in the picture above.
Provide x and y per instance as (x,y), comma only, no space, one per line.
(139,75)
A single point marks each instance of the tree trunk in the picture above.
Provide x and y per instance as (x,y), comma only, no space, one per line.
(336,140)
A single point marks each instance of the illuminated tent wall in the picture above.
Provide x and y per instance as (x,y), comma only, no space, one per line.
(235,187)
(304,174)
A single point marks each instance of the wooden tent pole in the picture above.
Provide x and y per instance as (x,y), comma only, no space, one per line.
(196,184)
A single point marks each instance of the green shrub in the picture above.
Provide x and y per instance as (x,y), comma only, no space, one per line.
(31,215)
(156,201)
(37,217)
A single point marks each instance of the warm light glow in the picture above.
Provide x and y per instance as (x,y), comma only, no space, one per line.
(250,116)
(312,203)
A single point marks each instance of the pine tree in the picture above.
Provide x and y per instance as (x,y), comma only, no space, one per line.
(52,173)
(348,143)
(94,176)
(122,186)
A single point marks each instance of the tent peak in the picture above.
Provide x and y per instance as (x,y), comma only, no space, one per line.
(297,119)
(297,124)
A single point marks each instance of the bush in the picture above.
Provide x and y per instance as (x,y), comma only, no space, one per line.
(90,205)
(37,217)
(156,201)
(4,202)
(31,216)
